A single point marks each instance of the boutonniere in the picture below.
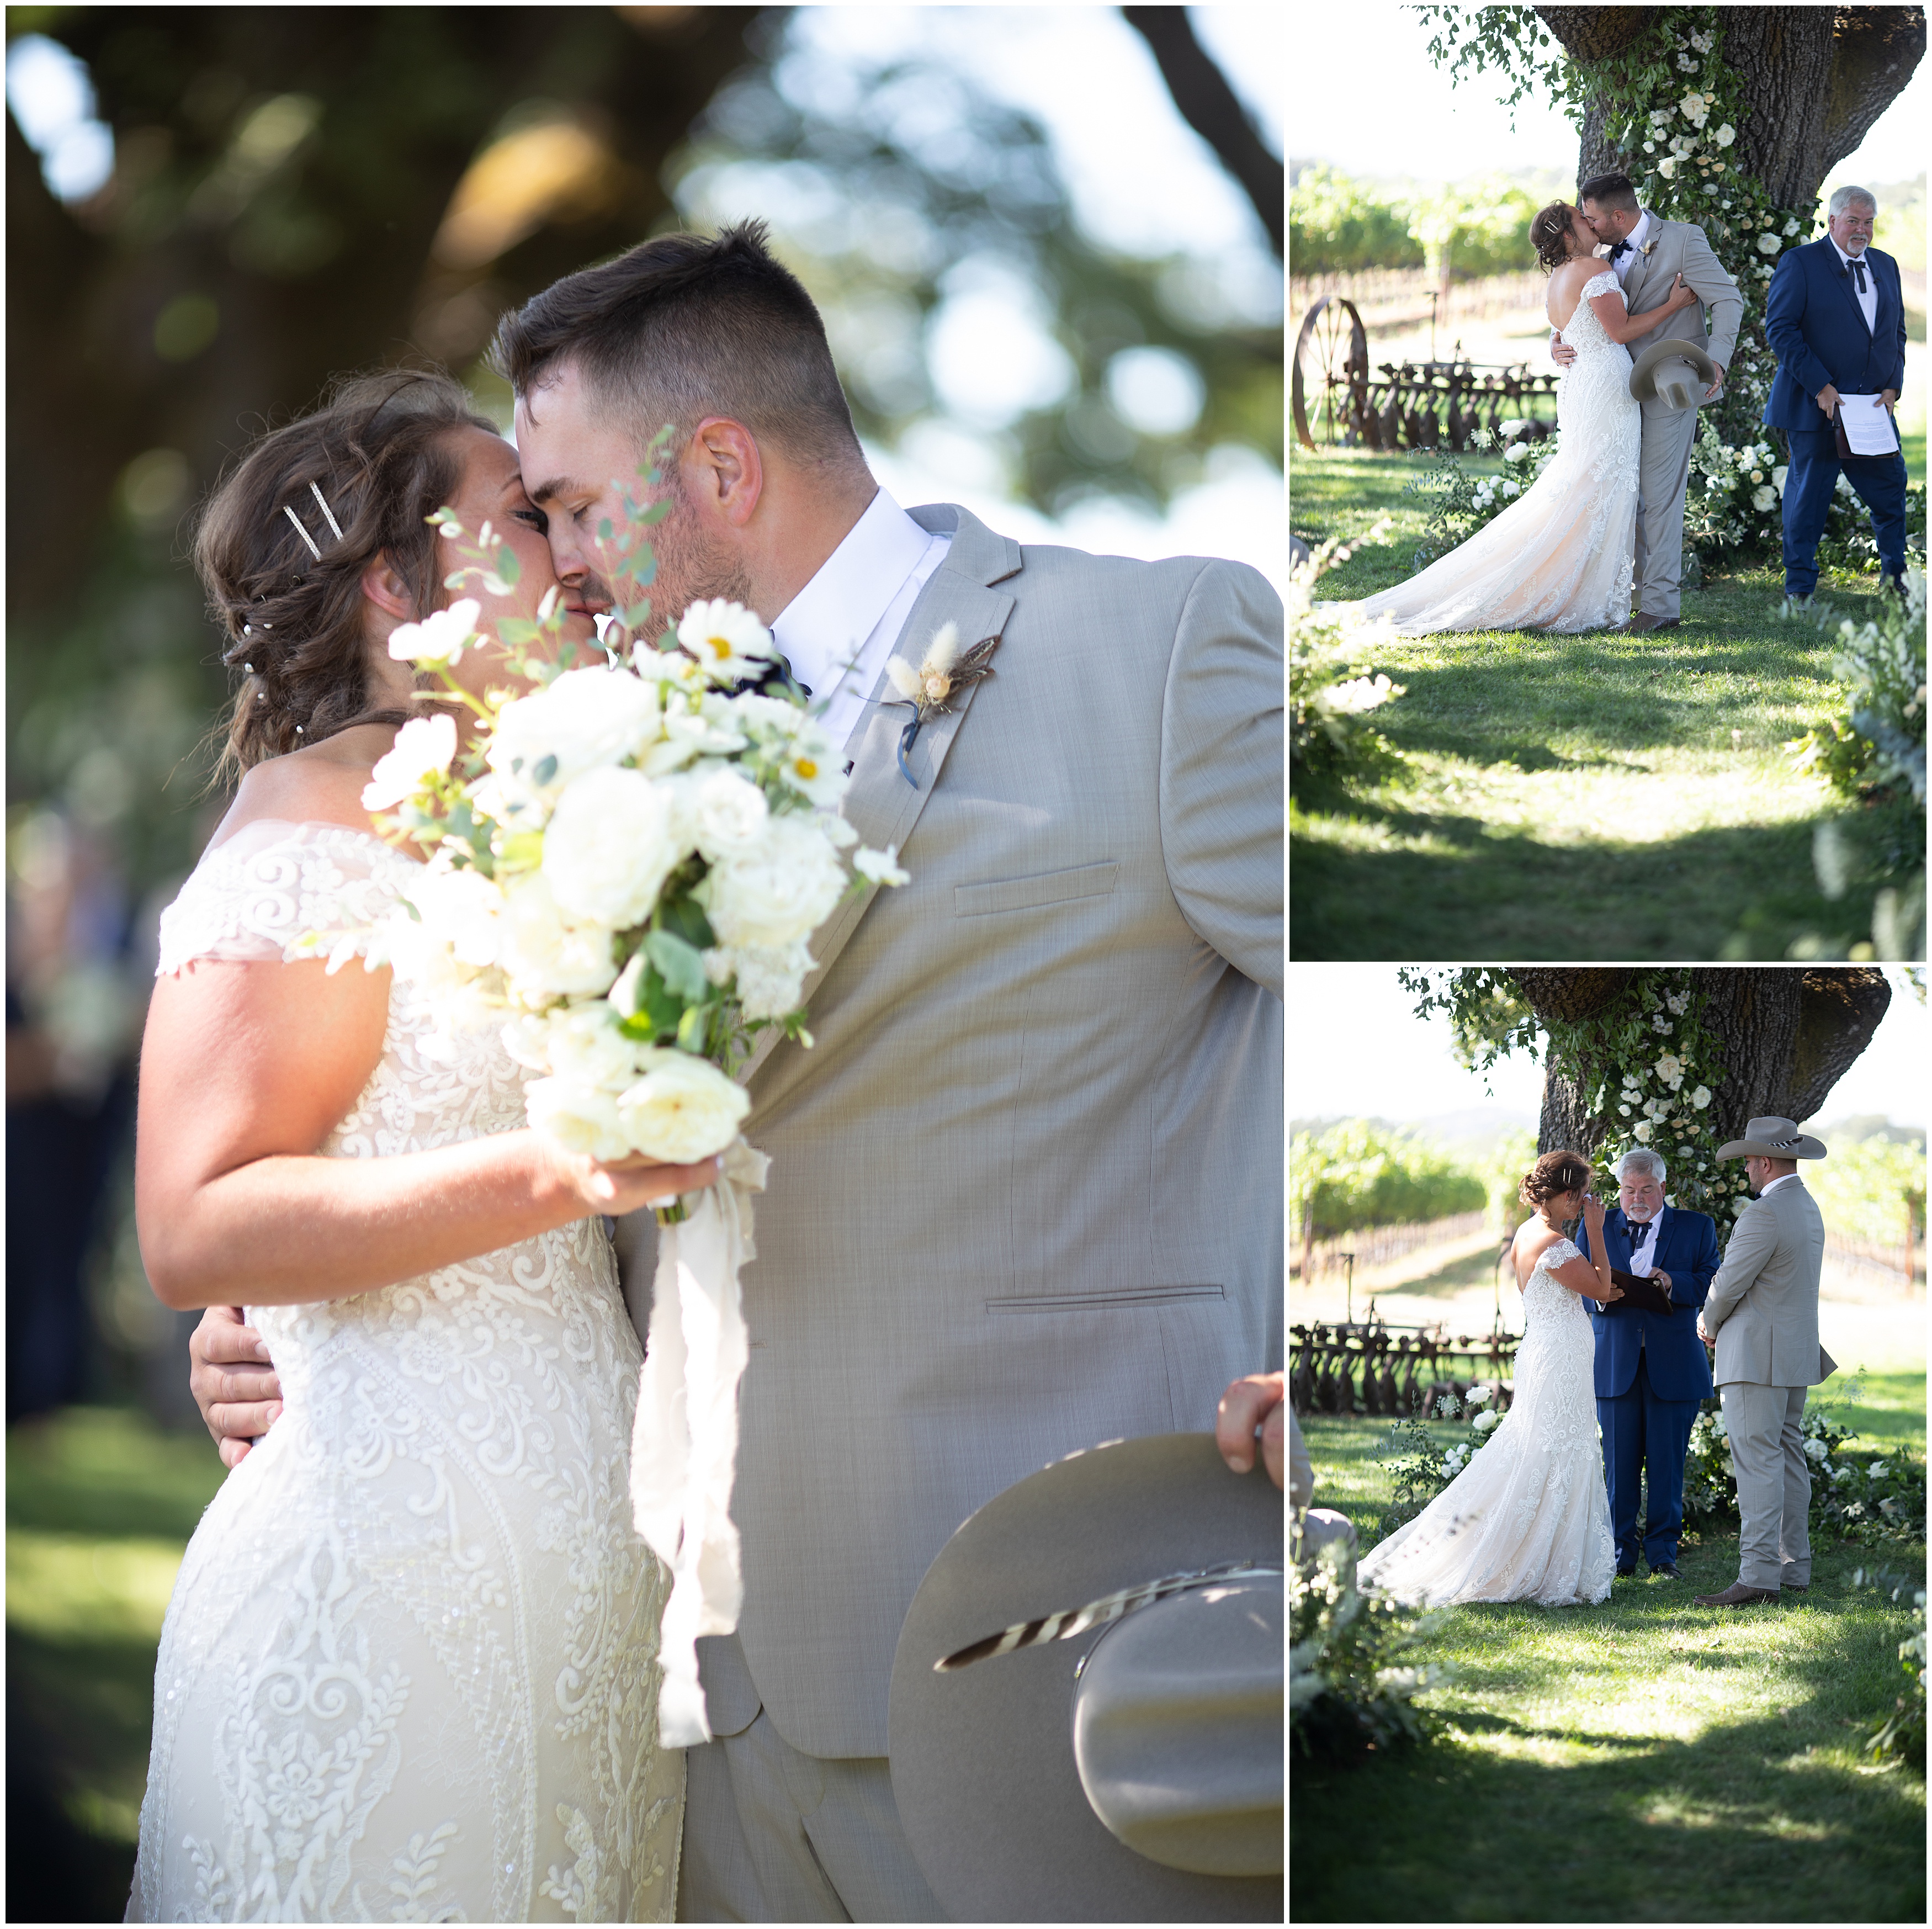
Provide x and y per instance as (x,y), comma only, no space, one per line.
(929,690)
(1648,247)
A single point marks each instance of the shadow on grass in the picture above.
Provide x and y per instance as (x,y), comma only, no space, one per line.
(1487,890)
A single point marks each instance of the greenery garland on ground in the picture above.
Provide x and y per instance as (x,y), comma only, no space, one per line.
(1351,1682)
(1330,689)
(1901,1735)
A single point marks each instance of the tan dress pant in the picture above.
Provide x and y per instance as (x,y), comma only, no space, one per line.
(1773,1482)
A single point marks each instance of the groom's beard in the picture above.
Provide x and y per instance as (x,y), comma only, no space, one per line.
(691,569)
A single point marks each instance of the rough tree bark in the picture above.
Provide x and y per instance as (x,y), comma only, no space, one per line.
(1785,1038)
(1815,80)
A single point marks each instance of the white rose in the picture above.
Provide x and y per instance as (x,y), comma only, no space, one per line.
(780,891)
(1790,226)
(1487,1423)
(1511,429)
(770,979)
(547,953)
(1816,1450)
(441,637)
(1693,109)
(1512,488)
(1725,135)
(1642,1132)
(585,718)
(721,813)
(1764,500)
(682,1109)
(580,1118)
(1518,451)
(1667,168)
(424,748)
(611,844)
(1767,243)
(581,1044)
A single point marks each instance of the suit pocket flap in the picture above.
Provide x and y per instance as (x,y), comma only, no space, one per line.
(1026,894)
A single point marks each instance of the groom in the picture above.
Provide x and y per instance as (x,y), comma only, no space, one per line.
(1025,1191)
(1651,1369)
(1647,255)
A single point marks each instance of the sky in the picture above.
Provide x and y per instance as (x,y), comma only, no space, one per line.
(1358,1050)
(1422,128)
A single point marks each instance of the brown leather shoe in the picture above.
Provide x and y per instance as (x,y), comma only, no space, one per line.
(1736,1595)
(1641,624)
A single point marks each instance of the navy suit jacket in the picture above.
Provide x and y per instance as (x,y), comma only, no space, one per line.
(1686,1248)
(1817,330)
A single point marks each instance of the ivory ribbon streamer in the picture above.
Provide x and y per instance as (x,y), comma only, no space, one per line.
(684,1445)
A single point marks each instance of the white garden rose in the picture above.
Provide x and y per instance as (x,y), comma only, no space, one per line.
(1670,1069)
(1764,500)
(424,748)
(546,952)
(583,1119)
(1512,488)
(1643,1133)
(545,741)
(585,1045)
(1767,243)
(1517,451)
(779,892)
(1725,135)
(1487,1423)
(770,979)
(720,813)
(1667,167)
(458,908)
(1816,1450)
(682,1109)
(612,842)
(1694,110)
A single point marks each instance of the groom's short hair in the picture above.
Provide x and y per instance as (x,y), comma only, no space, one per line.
(1610,190)
(686,326)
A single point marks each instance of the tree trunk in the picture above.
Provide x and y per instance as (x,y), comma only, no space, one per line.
(1815,80)
(1783,1037)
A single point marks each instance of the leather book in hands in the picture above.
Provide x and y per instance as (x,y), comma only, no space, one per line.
(1638,1292)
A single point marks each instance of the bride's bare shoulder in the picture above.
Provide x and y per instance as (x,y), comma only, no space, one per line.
(321,784)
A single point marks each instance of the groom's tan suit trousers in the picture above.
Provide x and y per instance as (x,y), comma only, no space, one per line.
(1025,1189)
(1664,464)
(1763,1308)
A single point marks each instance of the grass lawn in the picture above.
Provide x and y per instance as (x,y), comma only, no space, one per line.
(1643,1760)
(100,1505)
(1587,796)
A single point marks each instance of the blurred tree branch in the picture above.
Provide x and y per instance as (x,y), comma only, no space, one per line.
(1212,109)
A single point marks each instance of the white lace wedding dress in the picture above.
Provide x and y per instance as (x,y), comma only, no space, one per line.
(409,1671)
(1562,556)
(1528,1518)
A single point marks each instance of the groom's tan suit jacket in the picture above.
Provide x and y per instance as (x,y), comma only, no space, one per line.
(1680,248)
(1025,1190)
(1762,1306)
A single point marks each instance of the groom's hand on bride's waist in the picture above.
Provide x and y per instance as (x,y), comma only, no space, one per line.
(233,1381)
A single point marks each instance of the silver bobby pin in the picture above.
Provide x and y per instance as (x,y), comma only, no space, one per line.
(288,510)
(315,490)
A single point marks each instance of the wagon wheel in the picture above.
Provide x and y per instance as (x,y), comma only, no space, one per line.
(1331,370)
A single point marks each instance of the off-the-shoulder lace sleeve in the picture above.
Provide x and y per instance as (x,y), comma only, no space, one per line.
(1605,283)
(255,897)
(1557,1252)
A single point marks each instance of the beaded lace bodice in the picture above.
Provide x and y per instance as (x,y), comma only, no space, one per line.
(1561,556)
(1528,1518)
(408,1670)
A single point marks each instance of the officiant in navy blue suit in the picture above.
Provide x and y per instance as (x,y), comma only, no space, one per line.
(1835,319)
(1651,1371)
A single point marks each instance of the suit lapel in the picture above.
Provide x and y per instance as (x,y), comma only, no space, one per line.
(880,804)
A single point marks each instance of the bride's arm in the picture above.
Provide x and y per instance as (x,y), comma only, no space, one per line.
(1620,325)
(1589,1277)
(245,1069)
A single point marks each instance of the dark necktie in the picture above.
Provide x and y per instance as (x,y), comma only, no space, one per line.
(1859,271)
(1619,249)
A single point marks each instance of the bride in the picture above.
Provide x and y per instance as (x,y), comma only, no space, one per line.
(409,1669)
(1561,556)
(1528,1518)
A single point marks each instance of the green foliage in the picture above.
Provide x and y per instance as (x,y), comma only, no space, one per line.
(1350,1691)
(1420,1467)
(1475,227)
(1356,1175)
(1901,1735)
(1459,503)
(1867,1186)
(1330,691)
(1512,42)
(1337,225)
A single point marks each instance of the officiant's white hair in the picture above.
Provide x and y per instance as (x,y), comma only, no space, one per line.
(1842,198)
(1650,1164)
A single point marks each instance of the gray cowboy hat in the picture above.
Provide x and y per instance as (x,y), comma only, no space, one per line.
(1129,1771)
(1663,372)
(1772,1138)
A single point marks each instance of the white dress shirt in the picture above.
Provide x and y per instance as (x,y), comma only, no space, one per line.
(1868,307)
(1783,1178)
(1643,1244)
(1621,267)
(852,611)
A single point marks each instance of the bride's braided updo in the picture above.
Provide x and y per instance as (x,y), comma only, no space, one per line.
(380,452)
(1552,1175)
(1549,235)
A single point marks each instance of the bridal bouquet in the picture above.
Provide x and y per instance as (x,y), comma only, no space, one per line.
(628,867)
(624,871)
